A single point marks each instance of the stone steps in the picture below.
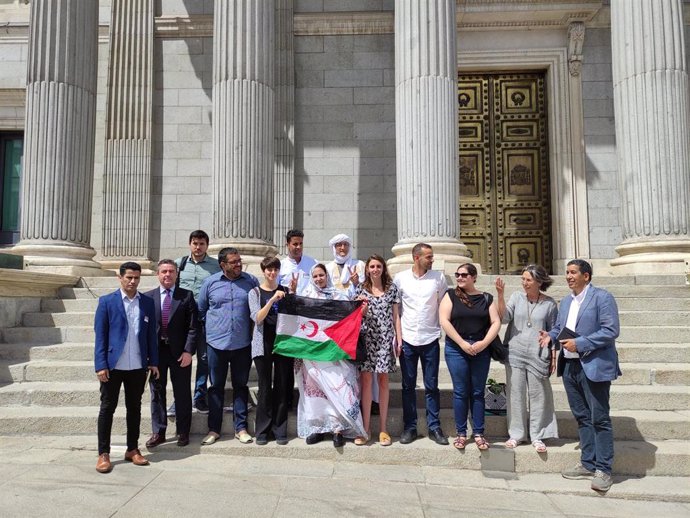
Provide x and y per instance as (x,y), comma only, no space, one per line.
(656,304)
(628,425)
(56,369)
(635,457)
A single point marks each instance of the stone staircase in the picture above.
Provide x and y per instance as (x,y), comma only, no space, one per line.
(47,386)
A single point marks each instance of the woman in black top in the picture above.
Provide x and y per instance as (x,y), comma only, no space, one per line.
(470,322)
(274,371)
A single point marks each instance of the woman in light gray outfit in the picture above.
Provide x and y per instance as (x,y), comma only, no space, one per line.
(531,414)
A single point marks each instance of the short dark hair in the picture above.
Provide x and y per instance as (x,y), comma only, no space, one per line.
(270,262)
(129,265)
(199,234)
(293,233)
(166,261)
(417,250)
(540,275)
(225,252)
(583,265)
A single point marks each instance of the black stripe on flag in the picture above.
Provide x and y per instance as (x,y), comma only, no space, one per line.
(321,309)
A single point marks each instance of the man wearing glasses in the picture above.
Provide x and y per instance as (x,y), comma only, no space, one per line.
(224,306)
(421,291)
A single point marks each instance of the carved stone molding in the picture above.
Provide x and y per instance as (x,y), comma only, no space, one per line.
(576,39)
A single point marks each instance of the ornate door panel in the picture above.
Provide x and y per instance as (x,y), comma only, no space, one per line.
(504,190)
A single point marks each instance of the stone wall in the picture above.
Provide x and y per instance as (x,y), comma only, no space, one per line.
(603,197)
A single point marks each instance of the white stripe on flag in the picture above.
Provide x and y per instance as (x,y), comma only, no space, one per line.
(302,327)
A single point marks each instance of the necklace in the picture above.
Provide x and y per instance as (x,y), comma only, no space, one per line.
(530,308)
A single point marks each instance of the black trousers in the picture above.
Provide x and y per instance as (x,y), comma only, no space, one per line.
(276,380)
(134,382)
(181,378)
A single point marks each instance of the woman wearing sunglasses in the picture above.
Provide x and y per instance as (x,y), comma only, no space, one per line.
(531,412)
(471,322)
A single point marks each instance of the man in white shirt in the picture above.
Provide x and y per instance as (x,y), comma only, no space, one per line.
(421,291)
(296,267)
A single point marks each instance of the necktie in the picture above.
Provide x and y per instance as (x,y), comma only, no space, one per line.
(165,313)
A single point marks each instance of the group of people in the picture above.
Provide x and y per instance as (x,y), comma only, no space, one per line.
(229,318)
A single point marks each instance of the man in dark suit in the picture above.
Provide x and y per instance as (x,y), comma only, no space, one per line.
(176,318)
(126,346)
(588,364)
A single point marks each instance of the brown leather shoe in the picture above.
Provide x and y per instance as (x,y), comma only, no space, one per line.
(183,439)
(135,457)
(103,464)
(155,440)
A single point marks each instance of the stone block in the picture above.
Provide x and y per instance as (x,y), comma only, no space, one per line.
(330,167)
(597,72)
(377,113)
(309,79)
(374,43)
(326,202)
(378,148)
(308,6)
(377,130)
(179,114)
(165,132)
(377,166)
(308,44)
(195,132)
(199,97)
(330,131)
(596,54)
(181,150)
(313,220)
(183,80)
(603,198)
(322,96)
(337,44)
(184,46)
(181,184)
(376,201)
(374,95)
(352,5)
(602,162)
(345,78)
(597,90)
(599,126)
(192,203)
(323,61)
(374,60)
(597,108)
(604,235)
(312,184)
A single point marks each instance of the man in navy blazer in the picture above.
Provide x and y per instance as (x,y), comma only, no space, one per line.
(177,338)
(588,364)
(126,347)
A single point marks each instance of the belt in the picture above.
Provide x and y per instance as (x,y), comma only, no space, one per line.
(164,340)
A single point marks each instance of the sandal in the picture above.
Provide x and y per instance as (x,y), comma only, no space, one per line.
(481,442)
(460,442)
(539,446)
(211,438)
(385,439)
(244,437)
(512,443)
(360,441)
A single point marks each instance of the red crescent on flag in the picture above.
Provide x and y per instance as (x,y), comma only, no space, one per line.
(316,329)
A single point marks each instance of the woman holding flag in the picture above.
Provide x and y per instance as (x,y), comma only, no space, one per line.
(328,390)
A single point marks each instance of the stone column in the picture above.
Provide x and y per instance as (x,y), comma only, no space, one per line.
(650,90)
(60,118)
(243,111)
(426,124)
(127,161)
(284,172)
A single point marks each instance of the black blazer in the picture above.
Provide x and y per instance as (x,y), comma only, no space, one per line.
(183,323)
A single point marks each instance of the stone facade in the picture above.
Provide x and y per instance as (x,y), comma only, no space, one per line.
(344,146)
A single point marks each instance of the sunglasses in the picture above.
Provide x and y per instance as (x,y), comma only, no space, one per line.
(463,275)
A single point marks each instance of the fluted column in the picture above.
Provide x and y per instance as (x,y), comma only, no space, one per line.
(426,123)
(650,90)
(243,111)
(60,118)
(284,170)
(127,161)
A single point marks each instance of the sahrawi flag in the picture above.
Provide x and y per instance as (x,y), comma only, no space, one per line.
(318,329)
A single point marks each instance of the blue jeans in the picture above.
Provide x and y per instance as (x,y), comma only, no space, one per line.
(201,367)
(468,374)
(430,356)
(589,403)
(240,361)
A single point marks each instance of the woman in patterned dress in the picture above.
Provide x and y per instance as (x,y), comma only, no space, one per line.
(328,391)
(383,337)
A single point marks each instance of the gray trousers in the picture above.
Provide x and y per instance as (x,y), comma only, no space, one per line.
(530,406)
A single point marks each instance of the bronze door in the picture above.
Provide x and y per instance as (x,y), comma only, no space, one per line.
(505,214)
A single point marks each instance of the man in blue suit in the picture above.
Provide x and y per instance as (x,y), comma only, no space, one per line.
(126,346)
(588,364)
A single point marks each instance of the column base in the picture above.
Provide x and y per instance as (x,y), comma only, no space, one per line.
(63,258)
(148,267)
(252,252)
(652,257)
(448,255)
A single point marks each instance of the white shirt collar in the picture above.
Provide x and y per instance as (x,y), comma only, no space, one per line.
(581,296)
(125,296)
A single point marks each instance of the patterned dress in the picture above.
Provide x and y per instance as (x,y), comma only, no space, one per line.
(379,330)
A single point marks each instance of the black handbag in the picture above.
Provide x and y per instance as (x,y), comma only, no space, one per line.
(499,351)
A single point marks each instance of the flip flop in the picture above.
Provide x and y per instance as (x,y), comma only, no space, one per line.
(539,446)
(360,441)
(211,438)
(512,443)
(244,437)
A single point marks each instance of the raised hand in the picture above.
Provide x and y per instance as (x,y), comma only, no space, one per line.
(354,276)
(293,283)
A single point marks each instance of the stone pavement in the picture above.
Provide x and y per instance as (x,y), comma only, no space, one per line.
(55,476)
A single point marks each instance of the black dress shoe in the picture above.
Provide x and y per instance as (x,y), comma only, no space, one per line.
(261,440)
(314,438)
(338,440)
(183,439)
(408,436)
(281,441)
(438,437)
(155,440)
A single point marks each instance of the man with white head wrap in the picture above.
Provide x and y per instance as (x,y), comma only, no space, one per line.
(345,272)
